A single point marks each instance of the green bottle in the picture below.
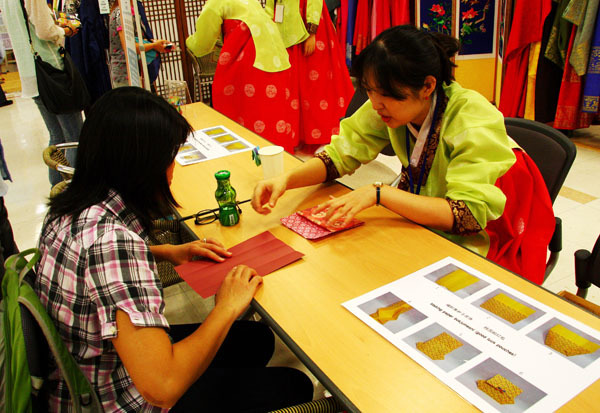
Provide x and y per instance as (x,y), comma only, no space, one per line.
(225,195)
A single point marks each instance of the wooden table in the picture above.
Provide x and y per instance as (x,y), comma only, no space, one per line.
(303,300)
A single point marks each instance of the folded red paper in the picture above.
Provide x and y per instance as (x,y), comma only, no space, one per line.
(264,253)
(312,225)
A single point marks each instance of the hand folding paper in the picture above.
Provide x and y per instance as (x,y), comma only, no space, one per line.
(264,253)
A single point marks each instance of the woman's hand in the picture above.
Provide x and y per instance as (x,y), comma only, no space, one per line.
(183,253)
(160,46)
(267,192)
(347,206)
(237,290)
(309,45)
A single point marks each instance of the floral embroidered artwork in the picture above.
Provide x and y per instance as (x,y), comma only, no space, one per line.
(476,26)
(436,16)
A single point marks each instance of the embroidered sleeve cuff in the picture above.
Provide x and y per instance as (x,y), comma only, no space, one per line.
(311,28)
(464,221)
(332,172)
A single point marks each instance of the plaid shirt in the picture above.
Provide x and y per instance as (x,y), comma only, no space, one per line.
(89,268)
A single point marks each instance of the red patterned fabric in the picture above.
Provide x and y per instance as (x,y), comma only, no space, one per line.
(526,28)
(255,99)
(568,112)
(321,87)
(519,238)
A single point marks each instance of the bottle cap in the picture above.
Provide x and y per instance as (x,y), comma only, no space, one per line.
(222,174)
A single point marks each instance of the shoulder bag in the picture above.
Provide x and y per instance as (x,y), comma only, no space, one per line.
(62,91)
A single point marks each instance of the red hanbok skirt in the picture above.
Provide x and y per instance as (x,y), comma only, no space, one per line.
(251,97)
(321,88)
(519,238)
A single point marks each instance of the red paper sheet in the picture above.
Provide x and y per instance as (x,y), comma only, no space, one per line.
(264,253)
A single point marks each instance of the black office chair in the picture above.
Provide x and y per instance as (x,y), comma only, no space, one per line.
(553,153)
(587,269)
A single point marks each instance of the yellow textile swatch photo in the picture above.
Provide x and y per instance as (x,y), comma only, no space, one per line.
(457,280)
(507,308)
(500,389)
(437,347)
(569,343)
(391,312)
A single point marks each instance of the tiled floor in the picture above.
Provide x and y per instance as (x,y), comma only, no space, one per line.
(24,136)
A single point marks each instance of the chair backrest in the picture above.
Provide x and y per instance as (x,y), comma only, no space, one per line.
(358,99)
(550,149)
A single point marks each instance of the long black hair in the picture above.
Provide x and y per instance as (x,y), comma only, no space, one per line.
(129,139)
(403,56)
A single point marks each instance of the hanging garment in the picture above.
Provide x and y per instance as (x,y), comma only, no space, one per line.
(88,49)
(558,42)
(534,56)
(341,25)
(585,20)
(400,12)
(349,50)
(568,112)
(526,28)
(381,18)
(549,75)
(361,30)
(591,88)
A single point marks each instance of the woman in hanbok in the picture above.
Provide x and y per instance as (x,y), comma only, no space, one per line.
(462,175)
(251,79)
(320,84)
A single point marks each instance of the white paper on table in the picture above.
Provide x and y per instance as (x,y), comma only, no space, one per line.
(211,143)
(491,344)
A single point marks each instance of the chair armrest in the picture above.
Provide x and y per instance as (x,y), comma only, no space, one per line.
(556,241)
(582,258)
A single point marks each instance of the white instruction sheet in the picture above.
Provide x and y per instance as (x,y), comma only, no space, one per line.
(211,143)
(501,350)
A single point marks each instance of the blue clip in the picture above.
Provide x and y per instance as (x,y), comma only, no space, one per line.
(255,156)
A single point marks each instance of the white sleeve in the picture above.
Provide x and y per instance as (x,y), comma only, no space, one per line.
(46,28)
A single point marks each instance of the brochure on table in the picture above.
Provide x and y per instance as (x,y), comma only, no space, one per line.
(211,143)
(501,350)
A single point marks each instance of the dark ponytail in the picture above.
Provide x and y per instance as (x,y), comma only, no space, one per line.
(403,56)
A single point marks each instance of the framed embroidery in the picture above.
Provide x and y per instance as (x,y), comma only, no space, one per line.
(476,28)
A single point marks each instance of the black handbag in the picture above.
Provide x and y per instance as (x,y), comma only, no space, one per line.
(61,91)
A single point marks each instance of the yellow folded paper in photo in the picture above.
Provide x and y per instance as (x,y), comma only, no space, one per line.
(569,343)
(500,389)
(457,280)
(391,312)
(437,347)
(507,308)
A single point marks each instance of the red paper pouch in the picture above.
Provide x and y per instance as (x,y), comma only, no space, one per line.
(314,226)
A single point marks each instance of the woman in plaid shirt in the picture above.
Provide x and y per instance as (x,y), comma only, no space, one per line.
(98,280)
